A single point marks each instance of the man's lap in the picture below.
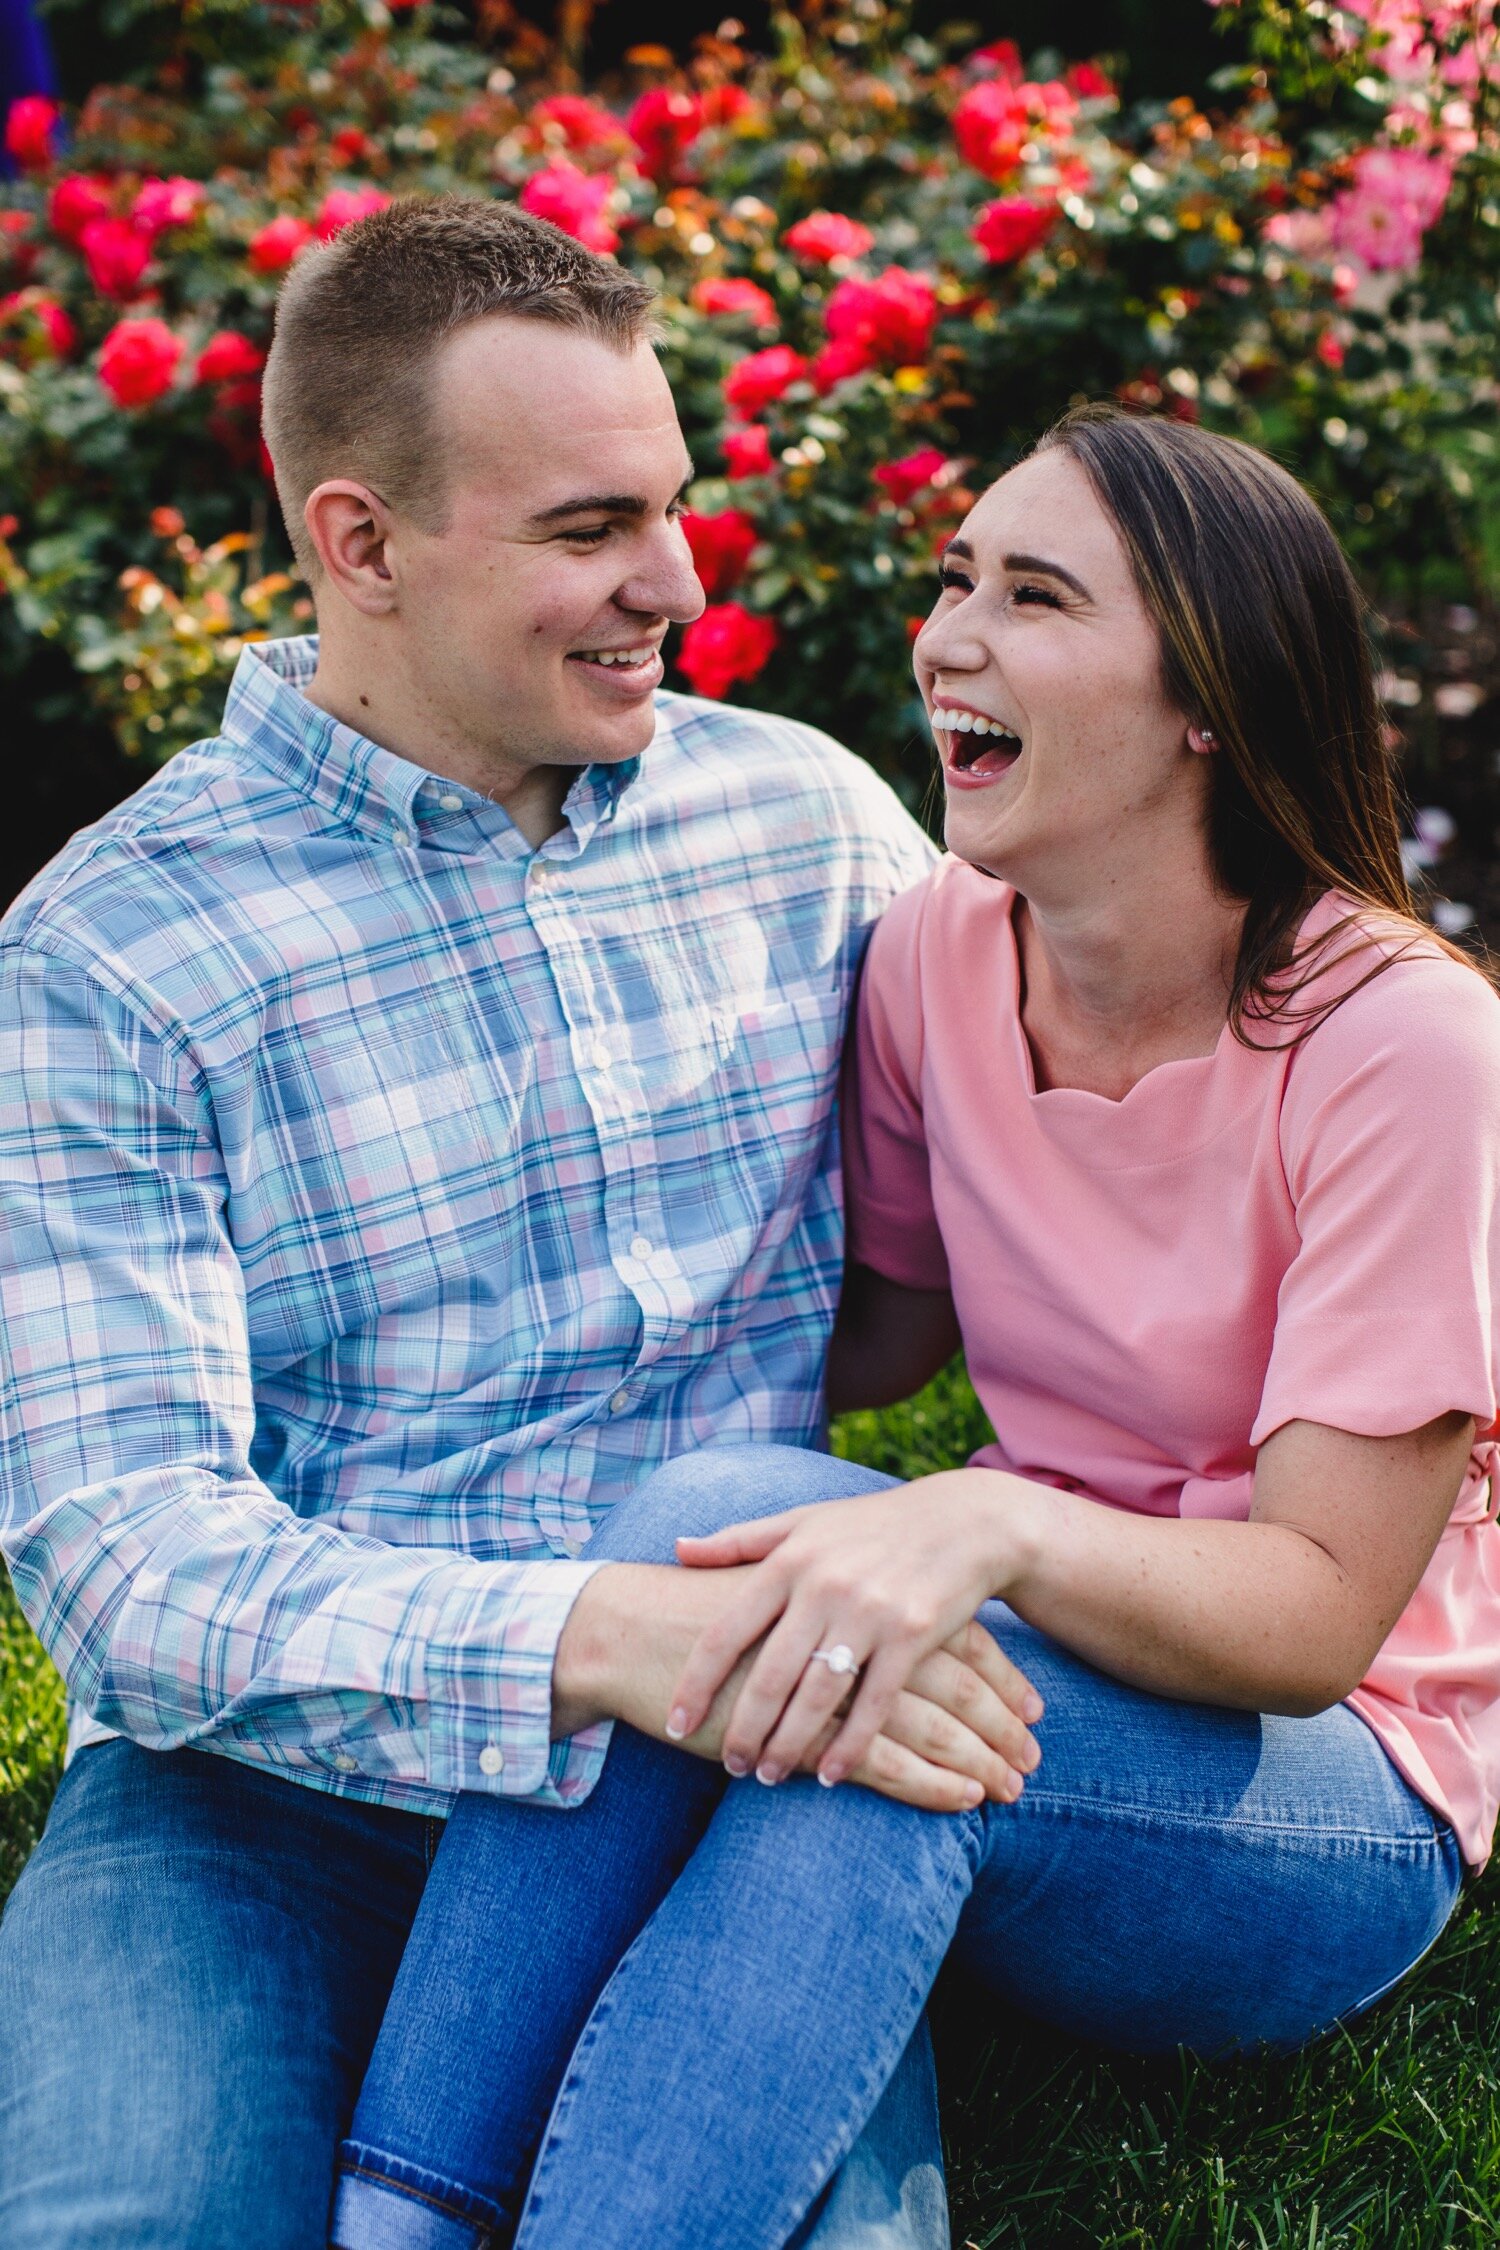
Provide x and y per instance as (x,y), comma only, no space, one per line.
(193,1969)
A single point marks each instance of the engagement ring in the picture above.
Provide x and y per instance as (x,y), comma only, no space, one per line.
(840,1658)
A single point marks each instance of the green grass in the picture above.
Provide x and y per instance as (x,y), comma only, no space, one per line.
(1386,2137)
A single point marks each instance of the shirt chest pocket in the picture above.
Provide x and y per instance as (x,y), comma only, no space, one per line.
(775,1088)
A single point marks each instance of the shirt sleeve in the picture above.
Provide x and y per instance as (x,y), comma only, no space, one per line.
(1390,1139)
(182,1601)
(892,1223)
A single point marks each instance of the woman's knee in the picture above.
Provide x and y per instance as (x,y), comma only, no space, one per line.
(702,1491)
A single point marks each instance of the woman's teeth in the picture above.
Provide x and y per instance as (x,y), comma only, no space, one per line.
(969,722)
(614,655)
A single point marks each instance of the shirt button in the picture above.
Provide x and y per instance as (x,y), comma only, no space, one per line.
(541,873)
(451,804)
(602,1055)
(402,835)
(345,1764)
(619,1402)
(491,1760)
(640,1246)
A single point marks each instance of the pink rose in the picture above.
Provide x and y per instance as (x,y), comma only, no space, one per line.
(574,201)
(892,317)
(663,124)
(161,204)
(278,243)
(138,361)
(116,257)
(990,127)
(28,131)
(1398,193)
(344,207)
(905,478)
(582,123)
(761,377)
(726,644)
(1011,227)
(75,202)
(228,357)
(736,299)
(747,453)
(826,235)
(721,546)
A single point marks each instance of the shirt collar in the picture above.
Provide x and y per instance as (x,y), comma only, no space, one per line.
(269,715)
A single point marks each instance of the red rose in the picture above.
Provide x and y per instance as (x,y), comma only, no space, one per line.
(228,357)
(582,123)
(278,243)
(138,360)
(747,453)
(837,363)
(350,145)
(43,329)
(826,235)
(892,318)
(726,105)
(234,419)
(161,204)
(761,377)
(723,293)
(902,479)
(726,644)
(28,131)
(75,203)
(1002,58)
(343,207)
(116,257)
(663,123)
(574,201)
(990,127)
(721,547)
(1090,83)
(1011,227)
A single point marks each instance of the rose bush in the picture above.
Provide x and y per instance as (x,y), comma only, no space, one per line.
(885,263)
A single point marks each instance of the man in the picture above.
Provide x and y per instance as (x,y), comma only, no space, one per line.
(416,1130)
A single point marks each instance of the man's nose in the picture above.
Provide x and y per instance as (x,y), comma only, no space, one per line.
(665,584)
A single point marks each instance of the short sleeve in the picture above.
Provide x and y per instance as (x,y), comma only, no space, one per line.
(893,1226)
(1390,1140)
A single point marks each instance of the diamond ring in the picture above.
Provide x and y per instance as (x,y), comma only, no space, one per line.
(840,1658)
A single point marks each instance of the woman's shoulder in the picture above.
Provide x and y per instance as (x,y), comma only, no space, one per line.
(946,904)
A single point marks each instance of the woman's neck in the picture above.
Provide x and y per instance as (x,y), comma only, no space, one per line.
(1126,977)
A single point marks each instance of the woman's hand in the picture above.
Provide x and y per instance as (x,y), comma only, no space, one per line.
(891,1576)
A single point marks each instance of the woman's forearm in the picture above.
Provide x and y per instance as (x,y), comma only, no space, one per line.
(1255,1616)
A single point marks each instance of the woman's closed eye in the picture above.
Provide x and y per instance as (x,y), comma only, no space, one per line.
(1027,594)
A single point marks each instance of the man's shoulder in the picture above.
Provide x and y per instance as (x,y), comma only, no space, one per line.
(143,895)
(790,771)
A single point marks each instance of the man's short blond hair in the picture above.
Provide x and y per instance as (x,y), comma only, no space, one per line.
(359,322)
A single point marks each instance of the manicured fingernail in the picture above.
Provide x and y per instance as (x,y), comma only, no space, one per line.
(1031,1758)
(677,1725)
(973,1791)
(768,1773)
(735,1764)
(830,1776)
(1033,1707)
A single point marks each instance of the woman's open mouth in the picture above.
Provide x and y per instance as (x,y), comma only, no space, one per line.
(976,749)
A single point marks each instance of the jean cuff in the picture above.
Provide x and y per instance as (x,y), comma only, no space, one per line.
(382,2202)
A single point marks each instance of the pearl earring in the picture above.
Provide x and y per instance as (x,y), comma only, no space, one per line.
(1202,738)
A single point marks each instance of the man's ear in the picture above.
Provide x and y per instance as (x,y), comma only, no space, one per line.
(349,525)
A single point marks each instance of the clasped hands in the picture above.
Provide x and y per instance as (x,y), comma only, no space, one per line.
(939,1717)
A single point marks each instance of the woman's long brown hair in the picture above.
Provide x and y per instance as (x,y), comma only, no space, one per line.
(1263,639)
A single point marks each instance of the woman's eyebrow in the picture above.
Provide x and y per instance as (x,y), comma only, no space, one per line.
(1047,569)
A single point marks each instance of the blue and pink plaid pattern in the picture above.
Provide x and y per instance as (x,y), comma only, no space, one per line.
(380,1199)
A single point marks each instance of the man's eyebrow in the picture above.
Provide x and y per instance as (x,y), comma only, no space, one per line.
(604,504)
(1047,570)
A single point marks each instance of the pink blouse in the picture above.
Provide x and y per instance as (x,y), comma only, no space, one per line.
(1148,1288)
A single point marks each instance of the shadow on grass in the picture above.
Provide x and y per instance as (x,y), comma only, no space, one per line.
(1385,2136)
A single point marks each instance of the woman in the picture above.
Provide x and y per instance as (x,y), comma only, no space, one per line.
(1166,1107)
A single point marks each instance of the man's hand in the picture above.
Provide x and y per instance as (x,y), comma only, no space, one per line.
(952,1735)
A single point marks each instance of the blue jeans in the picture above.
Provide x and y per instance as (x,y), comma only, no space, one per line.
(753,2072)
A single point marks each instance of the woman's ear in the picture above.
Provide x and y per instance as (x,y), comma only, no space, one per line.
(1203,740)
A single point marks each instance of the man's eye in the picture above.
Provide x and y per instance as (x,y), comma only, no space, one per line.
(593,537)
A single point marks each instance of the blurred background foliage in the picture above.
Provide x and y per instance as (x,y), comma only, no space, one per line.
(1283,220)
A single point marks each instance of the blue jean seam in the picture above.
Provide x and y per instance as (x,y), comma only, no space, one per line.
(1362,1841)
(358,2160)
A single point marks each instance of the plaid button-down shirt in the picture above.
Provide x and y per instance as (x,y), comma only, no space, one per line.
(380,1199)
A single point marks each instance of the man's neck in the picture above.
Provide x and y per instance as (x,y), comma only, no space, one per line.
(397,715)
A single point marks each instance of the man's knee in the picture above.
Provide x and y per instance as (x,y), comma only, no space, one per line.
(700,1492)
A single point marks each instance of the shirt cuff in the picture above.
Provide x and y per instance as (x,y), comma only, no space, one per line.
(489,1686)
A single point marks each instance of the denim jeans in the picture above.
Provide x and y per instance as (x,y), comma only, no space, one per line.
(753,2073)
